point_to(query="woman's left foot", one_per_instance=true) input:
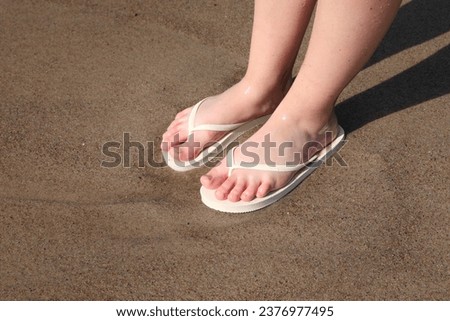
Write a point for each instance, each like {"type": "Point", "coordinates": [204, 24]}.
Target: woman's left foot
{"type": "Point", "coordinates": [283, 140]}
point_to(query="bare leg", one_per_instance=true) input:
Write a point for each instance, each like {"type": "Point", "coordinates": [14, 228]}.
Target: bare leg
{"type": "Point", "coordinates": [276, 37]}
{"type": "Point", "coordinates": [345, 35]}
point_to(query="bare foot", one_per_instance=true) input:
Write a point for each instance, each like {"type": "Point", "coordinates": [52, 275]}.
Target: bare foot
{"type": "Point", "coordinates": [240, 103]}
{"type": "Point", "coordinates": [283, 140]}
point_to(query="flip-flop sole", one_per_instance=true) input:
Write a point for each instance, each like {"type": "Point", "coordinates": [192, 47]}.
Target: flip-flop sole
{"type": "Point", "coordinates": [210, 200]}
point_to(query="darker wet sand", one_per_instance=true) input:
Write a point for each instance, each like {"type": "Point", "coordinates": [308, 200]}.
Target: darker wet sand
{"type": "Point", "coordinates": [77, 75]}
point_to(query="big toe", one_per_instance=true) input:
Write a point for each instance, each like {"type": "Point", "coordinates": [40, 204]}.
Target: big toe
{"type": "Point", "coordinates": [173, 137]}
{"type": "Point", "coordinates": [215, 177]}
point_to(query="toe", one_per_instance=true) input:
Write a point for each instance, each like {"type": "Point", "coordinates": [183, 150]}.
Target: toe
{"type": "Point", "coordinates": [187, 151]}
{"type": "Point", "coordinates": [250, 192]}
{"type": "Point", "coordinates": [184, 153]}
{"type": "Point", "coordinates": [224, 189]}
{"type": "Point", "coordinates": [175, 123]}
{"type": "Point", "coordinates": [215, 177]}
{"type": "Point", "coordinates": [264, 189]}
{"type": "Point", "coordinates": [236, 192]}
{"type": "Point", "coordinates": [177, 130]}
{"type": "Point", "coordinates": [172, 137]}
{"type": "Point", "coordinates": [183, 113]}
{"type": "Point", "coordinates": [206, 180]}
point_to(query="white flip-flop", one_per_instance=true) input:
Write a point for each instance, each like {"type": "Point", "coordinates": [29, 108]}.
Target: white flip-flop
{"type": "Point", "coordinates": [234, 131]}
{"type": "Point", "coordinates": [303, 171]}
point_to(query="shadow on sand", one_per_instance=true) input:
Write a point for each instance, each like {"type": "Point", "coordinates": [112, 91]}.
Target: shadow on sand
{"type": "Point", "coordinates": [416, 22]}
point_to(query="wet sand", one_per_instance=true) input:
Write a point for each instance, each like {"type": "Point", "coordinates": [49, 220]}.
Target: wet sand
{"type": "Point", "coordinates": [78, 74]}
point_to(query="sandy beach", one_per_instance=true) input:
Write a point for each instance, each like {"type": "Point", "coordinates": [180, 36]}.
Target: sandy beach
{"type": "Point", "coordinates": [78, 74]}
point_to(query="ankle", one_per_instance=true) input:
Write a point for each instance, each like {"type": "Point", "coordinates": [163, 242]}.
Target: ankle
{"type": "Point", "coordinates": [266, 94]}
{"type": "Point", "coordinates": [269, 83]}
{"type": "Point", "coordinates": [312, 123]}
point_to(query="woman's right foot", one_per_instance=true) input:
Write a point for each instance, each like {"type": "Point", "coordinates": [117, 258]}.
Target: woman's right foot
{"type": "Point", "coordinates": [240, 103]}
{"type": "Point", "coordinates": [284, 140]}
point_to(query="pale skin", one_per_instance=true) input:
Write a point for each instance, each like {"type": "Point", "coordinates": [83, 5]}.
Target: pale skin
{"type": "Point", "coordinates": [345, 34]}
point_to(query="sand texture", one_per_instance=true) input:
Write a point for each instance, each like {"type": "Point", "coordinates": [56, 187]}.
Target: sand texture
{"type": "Point", "coordinates": [77, 74]}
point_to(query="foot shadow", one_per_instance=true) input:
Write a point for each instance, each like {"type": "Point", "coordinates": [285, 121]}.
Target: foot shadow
{"type": "Point", "coordinates": [427, 80]}
{"type": "Point", "coordinates": [417, 22]}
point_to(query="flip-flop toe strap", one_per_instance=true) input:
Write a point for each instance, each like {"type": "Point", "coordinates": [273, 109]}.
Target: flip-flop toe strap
{"type": "Point", "coordinates": [231, 164]}
{"type": "Point", "coordinates": [211, 127]}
